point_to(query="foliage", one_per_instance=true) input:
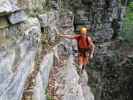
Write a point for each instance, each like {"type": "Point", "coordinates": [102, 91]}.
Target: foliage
{"type": "Point", "coordinates": [49, 97]}
{"type": "Point", "coordinates": [130, 6]}
{"type": "Point", "coordinates": [127, 30]}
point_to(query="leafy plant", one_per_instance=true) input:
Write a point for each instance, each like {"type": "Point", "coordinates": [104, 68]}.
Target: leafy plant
{"type": "Point", "coordinates": [127, 29]}
{"type": "Point", "coordinates": [49, 97]}
{"type": "Point", "coordinates": [130, 6]}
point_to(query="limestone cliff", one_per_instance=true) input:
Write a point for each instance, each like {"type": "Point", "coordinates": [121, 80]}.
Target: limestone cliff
{"type": "Point", "coordinates": [35, 64]}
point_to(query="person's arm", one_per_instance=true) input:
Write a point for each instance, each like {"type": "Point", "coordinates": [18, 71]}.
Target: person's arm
{"type": "Point", "coordinates": [70, 36]}
{"type": "Point", "coordinates": [92, 48]}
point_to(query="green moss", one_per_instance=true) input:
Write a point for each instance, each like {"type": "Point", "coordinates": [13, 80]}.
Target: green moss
{"type": "Point", "coordinates": [127, 29]}
{"type": "Point", "coordinates": [49, 98]}
{"type": "Point", "coordinates": [131, 5]}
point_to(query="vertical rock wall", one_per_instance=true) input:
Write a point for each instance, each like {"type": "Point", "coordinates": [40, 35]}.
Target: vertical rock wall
{"type": "Point", "coordinates": [102, 16]}
{"type": "Point", "coordinates": [30, 19]}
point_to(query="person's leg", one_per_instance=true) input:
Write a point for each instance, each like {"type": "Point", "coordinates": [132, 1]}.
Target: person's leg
{"type": "Point", "coordinates": [85, 60]}
{"type": "Point", "coordinates": [81, 66]}
{"type": "Point", "coordinates": [81, 63]}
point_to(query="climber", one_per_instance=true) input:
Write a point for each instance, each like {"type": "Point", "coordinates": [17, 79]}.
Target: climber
{"type": "Point", "coordinates": [85, 47]}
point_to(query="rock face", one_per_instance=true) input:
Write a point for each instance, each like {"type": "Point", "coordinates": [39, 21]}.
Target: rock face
{"type": "Point", "coordinates": [97, 15]}
{"type": "Point", "coordinates": [69, 86]}
{"type": "Point", "coordinates": [17, 17]}
{"type": "Point", "coordinates": [64, 82]}
{"type": "Point", "coordinates": [7, 6]}
{"type": "Point", "coordinates": [56, 23]}
{"type": "Point", "coordinates": [49, 21]}
{"type": "Point", "coordinates": [19, 34]}
{"type": "Point", "coordinates": [32, 30]}
{"type": "Point", "coordinates": [3, 22]}
{"type": "Point", "coordinates": [16, 27]}
{"type": "Point", "coordinates": [111, 72]}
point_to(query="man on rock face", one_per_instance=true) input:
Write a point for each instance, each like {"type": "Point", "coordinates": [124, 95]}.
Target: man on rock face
{"type": "Point", "coordinates": [85, 47]}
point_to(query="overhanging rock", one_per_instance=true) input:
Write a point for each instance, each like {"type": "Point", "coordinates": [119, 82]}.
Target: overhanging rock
{"type": "Point", "coordinates": [7, 6]}
{"type": "Point", "coordinates": [3, 22]}
{"type": "Point", "coordinates": [17, 17]}
{"type": "Point", "coordinates": [43, 18]}
{"type": "Point", "coordinates": [32, 30]}
{"type": "Point", "coordinates": [49, 18]}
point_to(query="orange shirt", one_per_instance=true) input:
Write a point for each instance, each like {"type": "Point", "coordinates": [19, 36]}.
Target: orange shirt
{"type": "Point", "coordinates": [84, 42]}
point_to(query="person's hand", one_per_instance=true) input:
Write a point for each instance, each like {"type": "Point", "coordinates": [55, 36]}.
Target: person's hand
{"type": "Point", "coordinates": [61, 34]}
{"type": "Point", "coordinates": [91, 56]}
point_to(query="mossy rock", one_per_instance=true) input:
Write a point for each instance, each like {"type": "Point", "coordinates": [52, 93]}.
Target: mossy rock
{"type": "Point", "coordinates": [3, 22]}
{"type": "Point", "coordinates": [4, 13]}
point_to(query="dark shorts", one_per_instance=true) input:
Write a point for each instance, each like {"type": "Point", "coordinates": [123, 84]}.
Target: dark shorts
{"type": "Point", "coordinates": [84, 52]}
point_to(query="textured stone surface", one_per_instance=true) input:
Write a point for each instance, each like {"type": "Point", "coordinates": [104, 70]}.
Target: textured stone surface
{"type": "Point", "coordinates": [32, 30]}
{"type": "Point", "coordinates": [104, 35]}
{"type": "Point", "coordinates": [43, 19]}
{"type": "Point", "coordinates": [53, 17]}
{"type": "Point", "coordinates": [73, 88]}
{"type": "Point", "coordinates": [34, 7]}
{"type": "Point", "coordinates": [111, 81]}
{"type": "Point", "coordinates": [49, 18]}
{"type": "Point", "coordinates": [66, 22]}
{"type": "Point", "coordinates": [65, 83]}
{"type": "Point", "coordinates": [95, 15]}
{"type": "Point", "coordinates": [55, 5]}
{"type": "Point", "coordinates": [56, 23]}
{"type": "Point", "coordinates": [7, 6]}
{"type": "Point", "coordinates": [52, 32]}
{"type": "Point", "coordinates": [113, 69]}
{"type": "Point", "coordinates": [17, 17]}
{"type": "Point", "coordinates": [3, 22]}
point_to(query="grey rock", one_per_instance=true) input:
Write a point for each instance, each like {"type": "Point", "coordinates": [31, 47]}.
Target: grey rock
{"type": "Point", "coordinates": [52, 32]}
{"type": "Point", "coordinates": [53, 17]}
{"type": "Point", "coordinates": [87, 1]}
{"type": "Point", "coordinates": [54, 4]}
{"type": "Point", "coordinates": [32, 30]}
{"type": "Point", "coordinates": [66, 22]}
{"type": "Point", "coordinates": [82, 22]}
{"type": "Point", "coordinates": [70, 88]}
{"type": "Point", "coordinates": [31, 22]}
{"type": "Point", "coordinates": [43, 18]}
{"type": "Point", "coordinates": [104, 35]}
{"type": "Point", "coordinates": [49, 18]}
{"type": "Point", "coordinates": [88, 95]}
{"type": "Point", "coordinates": [7, 6]}
{"type": "Point", "coordinates": [98, 13]}
{"type": "Point", "coordinates": [14, 4]}
{"type": "Point", "coordinates": [42, 78]}
{"type": "Point", "coordinates": [17, 17]}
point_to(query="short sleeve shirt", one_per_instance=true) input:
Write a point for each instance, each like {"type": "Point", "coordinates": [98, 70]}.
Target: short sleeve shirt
{"type": "Point", "coordinates": [83, 42]}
